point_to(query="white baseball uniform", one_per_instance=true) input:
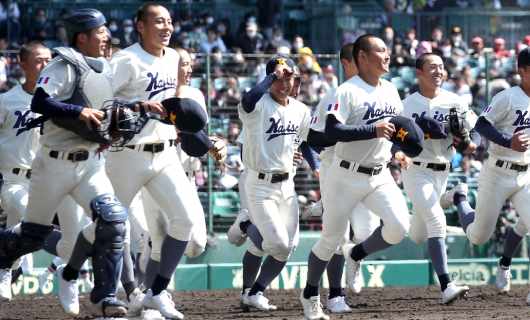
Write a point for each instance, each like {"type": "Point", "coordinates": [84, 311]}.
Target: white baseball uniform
{"type": "Point", "coordinates": [363, 222]}
{"type": "Point", "coordinates": [54, 176]}
{"type": "Point", "coordinates": [271, 137]}
{"type": "Point", "coordinates": [426, 179]}
{"type": "Point", "coordinates": [505, 174]}
{"type": "Point", "coordinates": [149, 161]}
{"type": "Point", "coordinates": [358, 103]}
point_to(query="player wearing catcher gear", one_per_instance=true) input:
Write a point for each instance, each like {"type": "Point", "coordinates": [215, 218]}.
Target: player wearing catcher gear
{"type": "Point", "coordinates": [273, 124]}
{"type": "Point", "coordinates": [148, 71]}
{"type": "Point", "coordinates": [359, 121]}
{"type": "Point", "coordinates": [425, 177]}
{"type": "Point", "coordinates": [74, 85]}
{"type": "Point", "coordinates": [361, 219]}
{"type": "Point", "coordinates": [505, 174]}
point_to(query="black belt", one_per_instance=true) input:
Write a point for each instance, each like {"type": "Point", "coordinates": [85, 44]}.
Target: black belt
{"type": "Point", "coordinates": [151, 147]}
{"type": "Point", "coordinates": [76, 156]}
{"type": "Point", "coordinates": [275, 177]}
{"type": "Point", "coordinates": [18, 170]}
{"type": "Point", "coordinates": [434, 166]}
{"type": "Point", "coordinates": [513, 166]}
{"type": "Point", "coordinates": [366, 170]}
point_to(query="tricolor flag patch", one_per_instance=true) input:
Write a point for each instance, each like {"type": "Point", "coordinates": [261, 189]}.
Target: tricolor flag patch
{"type": "Point", "coordinates": [333, 107]}
{"type": "Point", "coordinates": [43, 80]}
{"type": "Point", "coordinates": [313, 120]}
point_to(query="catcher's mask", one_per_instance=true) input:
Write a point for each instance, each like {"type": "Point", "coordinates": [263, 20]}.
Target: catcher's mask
{"type": "Point", "coordinates": [121, 123]}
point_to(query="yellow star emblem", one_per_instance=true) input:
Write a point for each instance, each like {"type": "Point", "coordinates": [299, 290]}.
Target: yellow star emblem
{"type": "Point", "coordinates": [173, 118]}
{"type": "Point", "coordinates": [281, 61]}
{"type": "Point", "coordinates": [401, 134]}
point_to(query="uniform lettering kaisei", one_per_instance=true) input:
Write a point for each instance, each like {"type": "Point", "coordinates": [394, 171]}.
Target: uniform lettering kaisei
{"type": "Point", "coordinates": [17, 151]}
{"type": "Point", "coordinates": [417, 106]}
{"type": "Point", "coordinates": [361, 104]}
{"type": "Point", "coordinates": [509, 113]}
{"type": "Point", "coordinates": [138, 75]}
{"type": "Point", "coordinates": [272, 132]}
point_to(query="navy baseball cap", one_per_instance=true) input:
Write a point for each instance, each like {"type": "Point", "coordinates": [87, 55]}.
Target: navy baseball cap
{"type": "Point", "coordinates": [279, 59]}
{"type": "Point", "coordinates": [184, 113]}
{"type": "Point", "coordinates": [432, 129]}
{"type": "Point", "coordinates": [523, 58]}
{"type": "Point", "coordinates": [408, 136]}
{"type": "Point", "coordinates": [82, 20]}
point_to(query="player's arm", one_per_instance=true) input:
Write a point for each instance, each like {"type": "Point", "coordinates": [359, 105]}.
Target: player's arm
{"type": "Point", "coordinates": [486, 129]}
{"type": "Point", "coordinates": [338, 131]}
{"type": "Point", "coordinates": [318, 140]}
{"type": "Point", "coordinates": [310, 156]}
{"type": "Point", "coordinates": [250, 98]}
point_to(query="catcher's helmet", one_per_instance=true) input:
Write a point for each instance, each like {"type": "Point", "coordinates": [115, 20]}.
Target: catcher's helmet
{"type": "Point", "coordinates": [82, 20]}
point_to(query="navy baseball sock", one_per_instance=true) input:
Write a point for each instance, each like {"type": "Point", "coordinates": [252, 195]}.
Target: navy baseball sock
{"type": "Point", "coordinates": [251, 264]}
{"type": "Point", "coordinates": [334, 270]}
{"type": "Point", "coordinates": [160, 284]}
{"type": "Point", "coordinates": [244, 226]}
{"type": "Point", "coordinates": [315, 269]}
{"type": "Point", "coordinates": [374, 243]}
{"type": "Point", "coordinates": [82, 249]}
{"type": "Point", "coordinates": [70, 273]}
{"type": "Point", "coordinates": [172, 251]}
{"type": "Point", "coordinates": [255, 236]}
{"type": "Point", "coordinates": [270, 269]}
{"type": "Point", "coordinates": [335, 292]}
{"type": "Point", "coordinates": [511, 243]}
{"type": "Point", "coordinates": [437, 251]}
{"type": "Point", "coordinates": [466, 214]}
{"type": "Point", "coordinates": [152, 269]}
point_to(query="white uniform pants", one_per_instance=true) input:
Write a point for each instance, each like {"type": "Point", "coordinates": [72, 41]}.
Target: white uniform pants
{"type": "Point", "coordinates": [495, 186]}
{"type": "Point", "coordinates": [161, 174]}
{"type": "Point", "coordinates": [54, 179]}
{"type": "Point", "coordinates": [424, 188]}
{"type": "Point", "coordinates": [344, 190]}
{"type": "Point", "coordinates": [273, 208]}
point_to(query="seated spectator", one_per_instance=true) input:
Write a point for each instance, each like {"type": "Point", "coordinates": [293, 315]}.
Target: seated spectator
{"type": "Point", "coordinates": [252, 41]}
{"type": "Point", "coordinates": [212, 40]}
{"type": "Point", "coordinates": [217, 63]}
{"type": "Point", "coordinates": [457, 42]}
{"type": "Point", "coordinates": [128, 36]}
{"type": "Point", "coordinates": [40, 27]}
{"type": "Point", "coordinates": [224, 32]}
{"type": "Point", "coordinates": [277, 39]}
{"type": "Point", "coordinates": [230, 95]}
{"type": "Point", "coordinates": [499, 49]}
{"type": "Point", "coordinates": [411, 42]}
{"type": "Point", "coordinates": [298, 43]}
{"type": "Point", "coordinates": [330, 79]}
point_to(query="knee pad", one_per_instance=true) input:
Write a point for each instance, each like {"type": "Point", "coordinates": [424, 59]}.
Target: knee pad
{"type": "Point", "coordinates": [110, 217]}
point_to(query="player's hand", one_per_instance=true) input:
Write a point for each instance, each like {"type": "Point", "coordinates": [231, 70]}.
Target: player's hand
{"type": "Point", "coordinates": [91, 117]}
{"type": "Point", "coordinates": [298, 158]}
{"type": "Point", "coordinates": [520, 141]}
{"type": "Point", "coordinates": [385, 130]}
{"type": "Point", "coordinates": [153, 107]}
{"type": "Point", "coordinates": [316, 173]}
{"type": "Point", "coordinates": [283, 71]}
{"type": "Point", "coordinates": [471, 148]}
{"type": "Point", "coordinates": [404, 161]}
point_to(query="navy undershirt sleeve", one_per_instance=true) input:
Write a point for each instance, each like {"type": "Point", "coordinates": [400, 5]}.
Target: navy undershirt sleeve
{"type": "Point", "coordinates": [44, 104]}
{"type": "Point", "coordinates": [319, 140]}
{"type": "Point", "coordinates": [346, 133]}
{"type": "Point", "coordinates": [486, 129]}
{"type": "Point", "coordinates": [310, 156]}
{"type": "Point", "coordinates": [250, 98]}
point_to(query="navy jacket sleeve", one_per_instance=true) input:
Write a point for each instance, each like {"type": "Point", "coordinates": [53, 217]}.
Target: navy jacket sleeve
{"type": "Point", "coordinates": [310, 156]}
{"type": "Point", "coordinates": [44, 104]}
{"type": "Point", "coordinates": [250, 98]}
{"type": "Point", "coordinates": [486, 129]}
{"type": "Point", "coordinates": [346, 133]}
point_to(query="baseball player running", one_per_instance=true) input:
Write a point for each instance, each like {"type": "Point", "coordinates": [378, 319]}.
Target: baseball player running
{"type": "Point", "coordinates": [359, 121]}
{"type": "Point", "coordinates": [148, 71]}
{"type": "Point", "coordinates": [274, 123]}
{"type": "Point", "coordinates": [17, 149]}
{"type": "Point", "coordinates": [505, 174]}
{"type": "Point", "coordinates": [362, 220]}
{"type": "Point", "coordinates": [425, 178]}
{"type": "Point", "coordinates": [71, 86]}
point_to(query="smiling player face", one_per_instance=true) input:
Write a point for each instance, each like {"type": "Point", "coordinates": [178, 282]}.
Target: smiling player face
{"type": "Point", "coordinates": [156, 28]}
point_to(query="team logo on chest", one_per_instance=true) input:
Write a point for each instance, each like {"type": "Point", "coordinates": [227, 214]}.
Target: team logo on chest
{"type": "Point", "coordinates": [278, 128]}
{"type": "Point", "coordinates": [375, 113]}
{"type": "Point", "coordinates": [438, 116]}
{"type": "Point", "coordinates": [23, 119]}
{"type": "Point", "coordinates": [159, 83]}
{"type": "Point", "coordinates": [522, 121]}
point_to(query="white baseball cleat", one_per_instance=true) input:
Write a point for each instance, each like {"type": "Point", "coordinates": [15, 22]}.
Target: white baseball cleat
{"type": "Point", "coordinates": [353, 268]}
{"type": "Point", "coordinates": [68, 293]}
{"type": "Point", "coordinates": [162, 302]}
{"type": "Point", "coordinates": [338, 305]}
{"type": "Point", "coordinates": [136, 300]}
{"type": "Point", "coordinates": [453, 292]}
{"type": "Point", "coordinates": [5, 285]}
{"type": "Point", "coordinates": [503, 278]}
{"type": "Point", "coordinates": [312, 308]}
{"type": "Point", "coordinates": [243, 300]}
{"type": "Point", "coordinates": [260, 302]}
{"type": "Point", "coordinates": [314, 210]}
{"type": "Point", "coordinates": [446, 200]}
{"type": "Point", "coordinates": [234, 234]}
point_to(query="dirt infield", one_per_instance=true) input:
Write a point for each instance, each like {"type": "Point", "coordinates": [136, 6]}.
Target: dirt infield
{"type": "Point", "coordinates": [388, 303]}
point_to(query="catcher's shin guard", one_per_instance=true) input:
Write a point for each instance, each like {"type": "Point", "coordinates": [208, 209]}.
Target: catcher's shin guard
{"type": "Point", "coordinates": [14, 244]}
{"type": "Point", "coordinates": [110, 217]}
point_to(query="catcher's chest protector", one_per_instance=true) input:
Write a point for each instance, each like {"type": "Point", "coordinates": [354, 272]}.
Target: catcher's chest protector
{"type": "Point", "coordinates": [93, 85]}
